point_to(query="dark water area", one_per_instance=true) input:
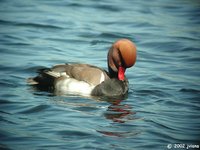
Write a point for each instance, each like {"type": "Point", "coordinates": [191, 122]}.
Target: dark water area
{"type": "Point", "coordinates": [163, 102]}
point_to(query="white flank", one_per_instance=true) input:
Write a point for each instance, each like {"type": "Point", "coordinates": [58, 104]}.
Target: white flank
{"type": "Point", "coordinates": [57, 74]}
{"type": "Point", "coordinates": [73, 86]}
{"type": "Point", "coordinates": [54, 74]}
{"type": "Point", "coordinates": [102, 77]}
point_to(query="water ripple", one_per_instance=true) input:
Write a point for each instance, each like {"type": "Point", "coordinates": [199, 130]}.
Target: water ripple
{"type": "Point", "coordinates": [35, 109]}
{"type": "Point", "coordinates": [32, 25]}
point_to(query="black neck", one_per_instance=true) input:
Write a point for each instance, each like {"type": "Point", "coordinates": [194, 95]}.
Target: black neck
{"type": "Point", "coordinates": [112, 73]}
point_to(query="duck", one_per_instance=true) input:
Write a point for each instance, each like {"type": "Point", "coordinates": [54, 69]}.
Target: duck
{"type": "Point", "coordinates": [90, 80]}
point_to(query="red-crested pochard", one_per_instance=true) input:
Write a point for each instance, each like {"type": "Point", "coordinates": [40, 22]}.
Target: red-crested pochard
{"type": "Point", "coordinates": [84, 79]}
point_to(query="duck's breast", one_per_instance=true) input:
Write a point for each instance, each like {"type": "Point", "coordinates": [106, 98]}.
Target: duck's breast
{"type": "Point", "coordinates": [111, 88]}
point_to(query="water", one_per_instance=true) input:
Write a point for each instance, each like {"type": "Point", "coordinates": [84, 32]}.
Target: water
{"type": "Point", "coordinates": [163, 103]}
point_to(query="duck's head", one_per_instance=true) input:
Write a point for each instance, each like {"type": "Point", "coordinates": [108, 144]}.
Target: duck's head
{"type": "Point", "coordinates": [122, 55]}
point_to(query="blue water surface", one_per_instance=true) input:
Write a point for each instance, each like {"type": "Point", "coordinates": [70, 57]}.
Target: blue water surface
{"type": "Point", "coordinates": [163, 103]}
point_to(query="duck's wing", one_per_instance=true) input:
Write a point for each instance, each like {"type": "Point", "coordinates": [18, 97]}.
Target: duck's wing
{"type": "Point", "coordinates": [81, 72]}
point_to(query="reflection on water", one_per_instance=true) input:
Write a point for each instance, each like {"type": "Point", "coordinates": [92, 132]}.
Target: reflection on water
{"type": "Point", "coordinates": [116, 112]}
{"type": "Point", "coordinates": [119, 113]}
